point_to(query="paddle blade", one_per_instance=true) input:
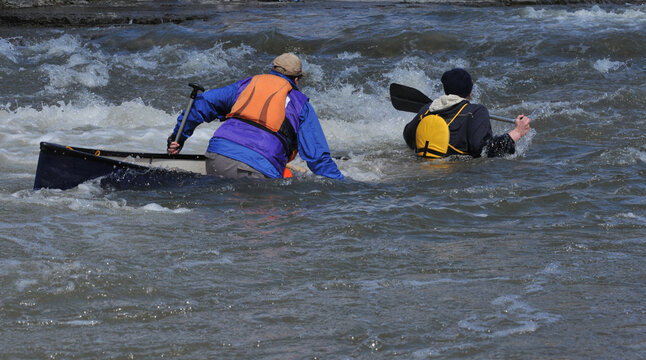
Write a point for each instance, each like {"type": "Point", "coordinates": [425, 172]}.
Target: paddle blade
{"type": "Point", "coordinates": [406, 98]}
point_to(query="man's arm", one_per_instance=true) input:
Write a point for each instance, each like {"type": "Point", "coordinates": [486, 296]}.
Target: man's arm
{"type": "Point", "coordinates": [506, 144]}
{"type": "Point", "coordinates": [208, 106]}
{"type": "Point", "coordinates": [500, 145]}
{"type": "Point", "coordinates": [479, 132]}
{"type": "Point", "coordinates": [410, 130]}
{"type": "Point", "coordinates": [313, 147]}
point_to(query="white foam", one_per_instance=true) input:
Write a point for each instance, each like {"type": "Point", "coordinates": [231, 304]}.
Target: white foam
{"type": "Point", "coordinates": [423, 75]}
{"type": "Point", "coordinates": [552, 269]}
{"type": "Point", "coordinates": [67, 61]}
{"type": "Point", "coordinates": [624, 219]}
{"type": "Point", "coordinates": [215, 60]}
{"type": "Point", "coordinates": [522, 146]}
{"type": "Point", "coordinates": [517, 317]}
{"type": "Point", "coordinates": [56, 276]}
{"type": "Point", "coordinates": [88, 71]}
{"type": "Point", "coordinates": [376, 284]}
{"type": "Point", "coordinates": [86, 198]}
{"type": "Point", "coordinates": [7, 50]}
{"type": "Point", "coordinates": [92, 124]}
{"type": "Point", "coordinates": [589, 17]}
{"type": "Point", "coordinates": [376, 126]}
{"type": "Point", "coordinates": [146, 60]}
{"type": "Point", "coordinates": [606, 65]}
{"type": "Point", "coordinates": [159, 208]}
{"type": "Point", "coordinates": [58, 59]}
{"type": "Point", "coordinates": [624, 156]}
{"type": "Point", "coordinates": [499, 84]}
{"type": "Point", "coordinates": [348, 55]}
{"type": "Point", "coordinates": [62, 76]}
{"type": "Point", "coordinates": [80, 322]}
{"type": "Point", "coordinates": [23, 284]}
{"type": "Point", "coordinates": [538, 111]}
{"type": "Point", "coordinates": [64, 45]}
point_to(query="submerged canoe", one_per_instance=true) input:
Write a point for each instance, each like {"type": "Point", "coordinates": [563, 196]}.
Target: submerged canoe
{"type": "Point", "coordinates": [64, 167]}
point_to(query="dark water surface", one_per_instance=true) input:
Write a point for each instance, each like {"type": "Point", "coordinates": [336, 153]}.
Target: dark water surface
{"type": "Point", "coordinates": [540, 255]}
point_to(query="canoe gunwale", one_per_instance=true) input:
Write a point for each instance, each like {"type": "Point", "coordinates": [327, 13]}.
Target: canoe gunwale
{"type": "Point", "coordinates": [64, 167]}
{"type": "Point", "coordinates": [83, 152]}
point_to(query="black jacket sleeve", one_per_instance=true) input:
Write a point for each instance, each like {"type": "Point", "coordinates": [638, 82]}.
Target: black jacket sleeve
{"type": "Point", "coordinates": [479, 132]}
{"type": "Point", "coordinates": [481, 137]}
{"type": "Point", "coordinates": [410, 130]}
{"type": "Point", "coordinates": [501, 145]}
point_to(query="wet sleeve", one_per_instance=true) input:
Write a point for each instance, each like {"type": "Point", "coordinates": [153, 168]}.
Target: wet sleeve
{"type": "Point", "coordinates": [410, 130]}
{"type": "Point", "coordinates": [482, 137]}
{"type": "Point", "coordinates": [208, 106]}
{"type": "Point", "coordinates": [501, 145]}
{"type": "Point", "coordinates": [479, 132]}
{"type": "Point", "coordinates": [313, 147]}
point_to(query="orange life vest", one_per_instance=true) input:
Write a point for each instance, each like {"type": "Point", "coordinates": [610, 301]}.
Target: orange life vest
{"type": "Point", "coordinates": [262, 103]}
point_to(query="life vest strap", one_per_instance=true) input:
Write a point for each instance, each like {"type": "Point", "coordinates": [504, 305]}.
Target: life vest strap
{"type": "Point", "coordinates": [426, 152]}
{"type": "Point", "coordinates": [458, 113]}
{"type": "Point", "coordinates": [457, 151]}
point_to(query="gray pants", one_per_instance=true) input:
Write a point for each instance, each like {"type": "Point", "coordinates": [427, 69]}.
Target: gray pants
{"type": "Point", "coordinates": [225, 167]}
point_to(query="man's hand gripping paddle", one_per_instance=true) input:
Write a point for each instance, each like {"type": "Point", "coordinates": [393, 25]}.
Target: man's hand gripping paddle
{"type": "Point", "coordinates": [193, 95]}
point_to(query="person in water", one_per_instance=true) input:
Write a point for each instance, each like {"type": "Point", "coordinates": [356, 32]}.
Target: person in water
{"type": "Point", "coordinates": [267, 121]}
{"type": "Point", "coordinates": [469, 127]}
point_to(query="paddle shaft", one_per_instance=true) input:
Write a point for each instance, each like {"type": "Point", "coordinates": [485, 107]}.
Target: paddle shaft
{"type": "Point", "coordinates": [406, 98]}
{"type": "Point", "coordinates": [192, 97]}
{"type": "Point", "coordinates": [503, 119]}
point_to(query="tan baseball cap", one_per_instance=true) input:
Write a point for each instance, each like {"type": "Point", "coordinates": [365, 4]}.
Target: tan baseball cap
{"type": "Point", "coordinates": [288, 64]}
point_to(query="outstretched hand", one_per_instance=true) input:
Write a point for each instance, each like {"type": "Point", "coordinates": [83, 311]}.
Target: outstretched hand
{"type": "Point", "coordinates": [522, 127]}
{"type": "Point", "coordinates": [173, 148]}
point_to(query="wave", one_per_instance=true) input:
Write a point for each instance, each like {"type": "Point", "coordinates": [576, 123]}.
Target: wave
{"type": "Point", "coordinates": [628, 15]}
{"type": "Point", "coordinates": [58, 13]}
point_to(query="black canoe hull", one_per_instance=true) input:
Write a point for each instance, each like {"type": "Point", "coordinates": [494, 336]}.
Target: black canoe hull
{"type": "Point", "coordinates": [64, 167]}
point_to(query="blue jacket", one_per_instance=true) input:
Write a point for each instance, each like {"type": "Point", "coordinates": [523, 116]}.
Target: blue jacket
{"type": "Point", "coordinates": [217, 103]}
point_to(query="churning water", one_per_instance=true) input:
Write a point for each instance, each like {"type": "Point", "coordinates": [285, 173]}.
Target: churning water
{"type": "Point", "coordinates": [537, 255]}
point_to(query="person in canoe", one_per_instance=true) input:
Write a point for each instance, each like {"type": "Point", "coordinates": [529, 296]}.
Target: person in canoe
{"type": "Point", "coordinates": [451, 125]}
{"type": "Point", "coordinates": [267, 121]}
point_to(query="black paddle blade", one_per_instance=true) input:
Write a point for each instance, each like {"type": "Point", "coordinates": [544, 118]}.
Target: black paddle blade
{"type": "Point", "coordinates": [406, 98]}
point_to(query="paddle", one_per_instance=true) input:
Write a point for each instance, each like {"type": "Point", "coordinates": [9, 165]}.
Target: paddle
{"type": "Point", "coordinates": [406, 98]}
{"type": "Point", "coordinates": [196, 88]}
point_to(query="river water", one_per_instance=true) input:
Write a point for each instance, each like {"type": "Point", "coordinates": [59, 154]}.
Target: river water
{"type": "Point", "coordinates": [535, 256]}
